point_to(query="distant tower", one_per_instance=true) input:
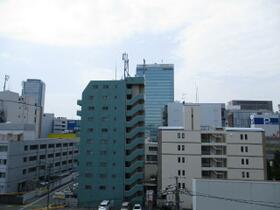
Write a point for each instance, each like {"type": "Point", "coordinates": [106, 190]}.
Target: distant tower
{"type": "Point", "coordinates": [35, 88]}
{"type": "Point", "coordinates": [126, 65]}
{"type": "Point", "coordinates": [7, 77]}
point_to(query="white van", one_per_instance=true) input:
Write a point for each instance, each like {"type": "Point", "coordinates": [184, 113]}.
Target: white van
{"type": "Point", "coordinates": [105, 205]}
{"type": "Point", "coordinates": [125, 206]}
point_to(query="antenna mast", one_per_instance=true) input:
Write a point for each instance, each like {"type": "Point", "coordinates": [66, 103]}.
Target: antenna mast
{"type": "Point", "coordinates": [7, 77]}
{"type": "Point", "coordinates": [126, 65]}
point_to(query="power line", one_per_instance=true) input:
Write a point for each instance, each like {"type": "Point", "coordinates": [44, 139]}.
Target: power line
{"type": "Point", "coordinates": [251, 202]}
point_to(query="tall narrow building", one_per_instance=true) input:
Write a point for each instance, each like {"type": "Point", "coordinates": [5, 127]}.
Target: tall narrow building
{"type": "Point", "coordinates": [159, 91]}
{"type": "Point", "coordinates": [111, 161]}
{"type": "Point", "coordinates": [35, 88]}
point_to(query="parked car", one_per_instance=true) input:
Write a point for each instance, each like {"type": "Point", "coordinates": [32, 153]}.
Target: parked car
{"type": "Point", "coordinates": [125, 206]}
{"type": "Point", "coordinates": [137, 207]}
{"type": "Point", "coordinates": [105, 205]}
{"type": "Point", "coordinates": [58, 195]}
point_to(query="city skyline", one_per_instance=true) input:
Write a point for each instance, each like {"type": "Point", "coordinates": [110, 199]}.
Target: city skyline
{"type": "Point", "coordinates": [229, 50]}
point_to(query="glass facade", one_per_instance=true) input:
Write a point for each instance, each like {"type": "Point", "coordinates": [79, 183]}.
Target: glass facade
{"type": "Point", "coordinates": [35, 88]}
{"type": "Point", "coordinates": [159, 90]}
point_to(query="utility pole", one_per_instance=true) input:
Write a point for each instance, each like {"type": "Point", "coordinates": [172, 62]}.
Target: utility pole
{"type": "Point", "coordinates": [7, 77]}
{"type": "Point", "coordinates": [48, 186]}
{"type": "Point", "coordinates": [177, 194]}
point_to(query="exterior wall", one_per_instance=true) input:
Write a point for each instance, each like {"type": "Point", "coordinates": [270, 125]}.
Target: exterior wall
{"type": "Point", "coordinates": [242, 195]}
{"type": "Point", "coordinates": [111, 161]}
{"type": "Point", "coordinates": [16, 109]}
{"type": "Point", "coordinates": [252, 105]}
{"type": "Point", "coordinates": [268, 121]}
{"type": "Point", "coordinates": [27, 161]}
{"type": "Point", "coordinates": [47, 124]}
{"type": "Point", "coordinates": [212, 115]}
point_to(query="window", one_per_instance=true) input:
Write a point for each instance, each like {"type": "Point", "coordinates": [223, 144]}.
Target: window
{"type": "Point", "coordinates": [88, 152]}
{"type": "Point", "coordinates": [24, 159]}
{"type": "Point", "coordinates": [104, 130]}
{"type": "Point", "coordinates": [183, 185]}
{"type": "Point", "coordinates": [64, 153]}
{"type": "Point", "coordinates": [179, 147]}
{"type": "Point", "coordinates": [32, 158]}
{"type": "Point", "coordinates": [42, 157]}
{"type": "Point", "coordinates": [105, 108]}
{"type": "Point", "coordinates": [247, 161]}
{"type": "Point", "coordinates": [51, 146]}
{"type": "Point", "coordinates": [43, 146]}
{"type": "Point", "coordinates": [242, 161]}
{"type": "Point", "coordinates": [246, 137]}
{"type": "Point", "coordinates": [153, 149]}
{"type": "Point", "coordinates": [179, 173]}
{"type": "Point", "coordinates": [65, 145]}
{"type": "Point", "coordinates": [183, 172]}
{"type": "Point", "coordinates": [90, 98]}
{"type": "Point", "coordinates": [105, 86]}
{"type": "Point", "coordinates": [242, 149]}
{"type": "Point", "coordinates": [33, 147]}
{"type": "Point", "coordinates": [94, 86]}
{"type": "Point", "coordinates": [179, 160]}
{"type": "Point", "coordinates": [25, 148]}
{"type": "Point", "coordinates": [241, 136]}
{"type": "Point", "coordinates": [58, 145]}
{"type": "Point", "coordinates": [88, 187]}
{"type": "Point", "coordinates": [90, 130]}
{"type": "Point", "coordinates": [32, 169]}
{"type": "Point", "coordinates": [102, 187]}
{"type": "Point", "coordinates": [57, 164]}
{"type": "Point", "coordinates": [105, 97]}
{"type": "Point", "coordinates": [243, 174]}
{"type": "Point", "coordinates": [103, 152]}
{"type": "Point", "coordinates": [151, 157]}
{"type": "Point", "coordinates": [58, 154]}
{"type": "Point", "coordinates": [183, 136]}
{"type": "Point", "coordinates": [178, 135]}
{"type": "Point", "coordinates": [246, 149]}
{"type": "Point", "coordinates": [50, 155]}
{"type": "Point", "coordinates": [2, 175]}
{"type": "Point", "coordinates": [90, 108]}
{"type": "Point", "coordinates": [183, 147]}
{"type": "Point", "coordinates": [102, 176]}
{"type": "Point", "coordinates": [183, 159]}
{"type": "Point", "coordinates": [248, 175]}
{"type": "Point", "coordinates": [24, 171]}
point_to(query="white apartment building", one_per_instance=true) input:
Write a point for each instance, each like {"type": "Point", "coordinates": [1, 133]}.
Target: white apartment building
{"type": "Point", "coordinates": [189, 152]}
{"type": "Point", "coordinates": [24, 160]}
{"type": "Point", "coordinates": [59, 124]}
{"type": "Point", "coordinates": [19, 109]}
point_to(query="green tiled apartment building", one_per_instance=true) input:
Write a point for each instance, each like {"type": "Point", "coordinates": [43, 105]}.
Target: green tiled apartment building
{"type": "Point", "coordinates": [111, 160]}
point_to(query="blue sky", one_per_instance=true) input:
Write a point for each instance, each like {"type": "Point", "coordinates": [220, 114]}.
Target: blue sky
{"type": "Point", "coordinates": [229, 49]}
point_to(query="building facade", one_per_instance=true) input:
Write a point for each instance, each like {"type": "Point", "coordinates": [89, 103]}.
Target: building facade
{"type": "Point", "coordinates": [20, 109]}
{"type": "Point", "coordinates": [35, 88]}
{"type": "Point", "coordinates": [24, 160]}
{"type": "Point", "coordinates": [159, 90]}
{"type": "Point", "coordinates": [59, 124]}
{"type": "Point", "coordinates": [189, 152]}
{"type": "Point", "coordinates": [47, 124]}
{"type": "Point", "coordinates": [111, 162]}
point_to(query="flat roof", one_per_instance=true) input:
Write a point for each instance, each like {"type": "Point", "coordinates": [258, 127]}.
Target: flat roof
{"type": "Point", "coordinates": [170, 128]}
{"type": "Point", "coordinates": [244, 129]}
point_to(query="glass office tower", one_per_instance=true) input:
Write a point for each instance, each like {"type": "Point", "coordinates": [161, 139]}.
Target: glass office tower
{"type": "Point", "coordinates": [159, 90]}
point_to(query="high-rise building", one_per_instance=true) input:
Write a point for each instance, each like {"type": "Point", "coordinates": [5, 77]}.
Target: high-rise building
{"type": "Point", "coordinates": [35, 88]}
{"type": "Point", "coordinates": [111, 161]}
{"type": "Point", "coordinates": [159, 91]}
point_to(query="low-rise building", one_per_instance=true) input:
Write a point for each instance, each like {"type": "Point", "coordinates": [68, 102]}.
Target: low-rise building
{"type": "Point", "coordinates": [24, 160]}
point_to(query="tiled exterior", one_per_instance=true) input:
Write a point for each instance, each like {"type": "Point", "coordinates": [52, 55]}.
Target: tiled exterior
{"type": "Point", "coordinates": [111, 162]}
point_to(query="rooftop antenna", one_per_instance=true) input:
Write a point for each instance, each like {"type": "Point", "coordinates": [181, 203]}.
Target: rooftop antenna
{"type": "Point", "coordinates": [126, 65]}
{"type": "Point", "coordinates": [7, 77]}
{"type": "Point", "coordinates": [196, 94]}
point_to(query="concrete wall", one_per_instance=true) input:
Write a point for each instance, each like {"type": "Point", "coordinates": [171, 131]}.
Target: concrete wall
{"type": "Point", "coordinates": [47, 124]}
{"type": "Point", "coordinates": [235, 195]}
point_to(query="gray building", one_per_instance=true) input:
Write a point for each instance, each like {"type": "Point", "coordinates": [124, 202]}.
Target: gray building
{"type": "Point", "coordinates": [239, 111]}
{"type": "Point", "coordinates": [24, 160]}
{"type": "Point", "coordinates": [35, 88]}
{"type": "Point", "coordinates": [212, 115]}
{"type": "Point", "coordinates": [47, 124]}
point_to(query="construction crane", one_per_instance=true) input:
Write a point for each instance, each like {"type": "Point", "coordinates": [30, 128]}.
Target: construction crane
{"type": "Point", "coordinates": [7, 77]}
